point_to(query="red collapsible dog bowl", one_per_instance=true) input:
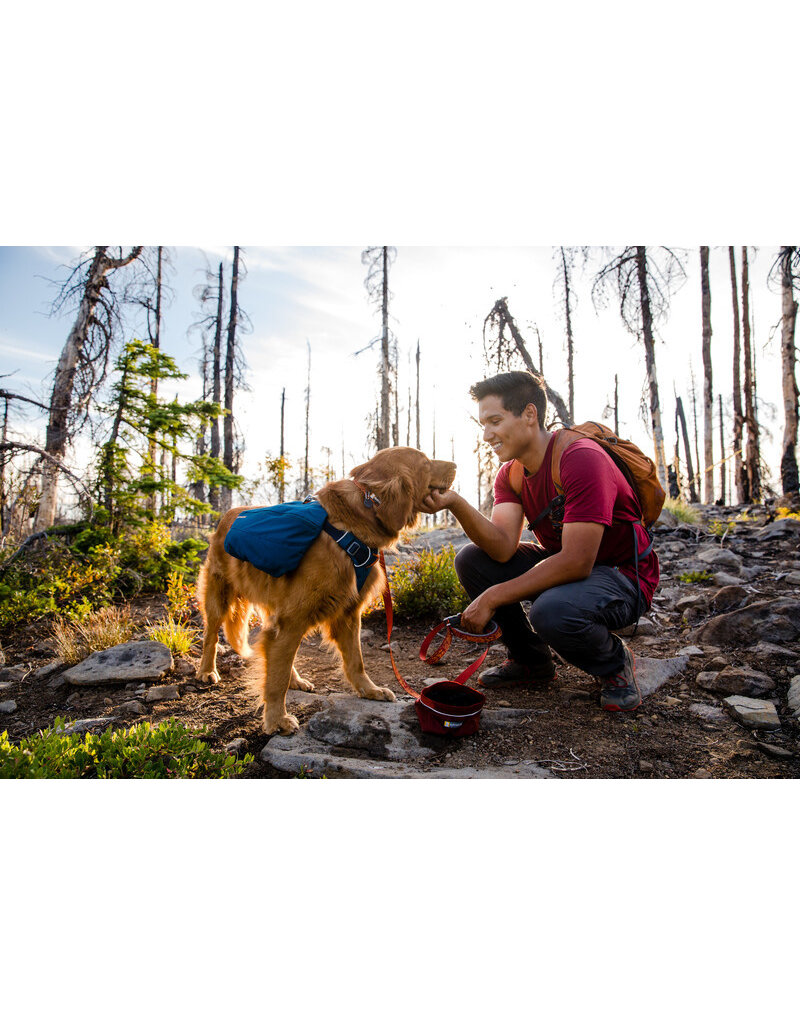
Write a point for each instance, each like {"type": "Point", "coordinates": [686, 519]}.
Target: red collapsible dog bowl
{"type": "Point", "coordinates": [449, 709]}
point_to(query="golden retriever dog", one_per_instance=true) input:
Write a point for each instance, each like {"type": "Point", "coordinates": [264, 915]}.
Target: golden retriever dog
{"type": "Point", "coordinates": [321, 591]}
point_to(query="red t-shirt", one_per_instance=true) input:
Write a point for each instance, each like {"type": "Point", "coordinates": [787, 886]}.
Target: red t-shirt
{"type": "Point", "coordinates": [595, 491]}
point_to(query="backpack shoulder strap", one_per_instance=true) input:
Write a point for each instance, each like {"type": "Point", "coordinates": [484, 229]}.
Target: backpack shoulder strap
{"type": "Point", "coordinates": [564, 438]}
{"type": "Point", "coordinates": [515, 477]}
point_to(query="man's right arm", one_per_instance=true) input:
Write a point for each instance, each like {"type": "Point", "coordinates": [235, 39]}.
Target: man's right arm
{"type": "Point", "coordinates": [499, 536]}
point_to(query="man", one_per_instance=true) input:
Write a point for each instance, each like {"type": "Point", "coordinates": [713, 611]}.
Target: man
{"type": "Point", "coordinates": [581, 576]}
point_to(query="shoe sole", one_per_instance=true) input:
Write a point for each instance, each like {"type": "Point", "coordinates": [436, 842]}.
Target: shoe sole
{"type": "Point", "coordinates": [616, 707]}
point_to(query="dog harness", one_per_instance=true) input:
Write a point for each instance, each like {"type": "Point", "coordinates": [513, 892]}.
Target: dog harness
{"type": "Point", "coordinates": [274, 539]}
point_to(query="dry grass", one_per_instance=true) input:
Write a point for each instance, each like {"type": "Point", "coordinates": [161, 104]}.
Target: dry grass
{"type": "Point", "coordinates": [172, 634]}
{"type": "Point", "coordinates": [97, 631]}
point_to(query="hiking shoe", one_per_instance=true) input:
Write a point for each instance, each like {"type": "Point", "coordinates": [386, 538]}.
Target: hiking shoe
{"type": "Point", "coordinates": [512, 673]}
{"type": "Point", "coordinates": [621, 692]}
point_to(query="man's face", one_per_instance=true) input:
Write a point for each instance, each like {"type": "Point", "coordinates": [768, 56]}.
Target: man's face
{"type": "Point", "coordinates": [508, 434]}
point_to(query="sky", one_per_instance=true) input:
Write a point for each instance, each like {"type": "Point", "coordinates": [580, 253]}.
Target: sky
{"type": "Point", "coordinates": [315, 296]}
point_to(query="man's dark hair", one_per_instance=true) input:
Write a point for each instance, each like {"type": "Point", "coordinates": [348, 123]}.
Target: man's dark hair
{"type": "Point", "coordinates": [515, 389]}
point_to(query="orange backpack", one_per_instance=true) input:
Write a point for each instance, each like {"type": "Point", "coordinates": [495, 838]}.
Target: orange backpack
{"type": "Point", "coordinates": [635, 466]}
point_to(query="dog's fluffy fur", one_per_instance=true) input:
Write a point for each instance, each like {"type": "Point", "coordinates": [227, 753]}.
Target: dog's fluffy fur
{"type": "Point", "coordinates": [322, 590]}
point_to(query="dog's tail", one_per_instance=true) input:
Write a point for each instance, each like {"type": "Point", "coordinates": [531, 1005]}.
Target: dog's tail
{"type": "Point", "coordinates": [236, 626]}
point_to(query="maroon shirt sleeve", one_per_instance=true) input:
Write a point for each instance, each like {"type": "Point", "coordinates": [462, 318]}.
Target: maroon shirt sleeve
{"type": "Point", "coordinates": [503, 492]}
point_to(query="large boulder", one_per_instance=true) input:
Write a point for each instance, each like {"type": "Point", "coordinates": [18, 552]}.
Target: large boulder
{"type": "Point", "coordinates": [144, 661]}
{"type": "Point", "coordinates": [774, 621]}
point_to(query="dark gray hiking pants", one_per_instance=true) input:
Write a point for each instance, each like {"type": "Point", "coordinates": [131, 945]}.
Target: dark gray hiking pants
{"type": "Point", "coordinates": [574, 618]}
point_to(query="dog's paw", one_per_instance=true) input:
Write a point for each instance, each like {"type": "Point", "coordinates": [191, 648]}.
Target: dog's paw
{"type": "Point", "coordinates": [286, 724]}
{"type": "Point", "coordinates": [208, 677]}
{"type": "Point", "coordinates": [380, 693]}
{"type": "Point", "coordinates": [299, 683]}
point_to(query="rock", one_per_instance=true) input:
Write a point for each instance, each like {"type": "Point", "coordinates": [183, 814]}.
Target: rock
{"type": "Point", "coordinates": [237, 746]}
{"type": "Point", "coordinates": [367, 633]}
{"type": "Point", "coordinates": [794, 696]}
{"type": "Point", "coordinates": [724, 579]}
{"type": "Point", "coordinates": [2, 656]}
{"type": "Point", "coordinates": [690, 601]}
{"type": "Point", "coordinates": [145, 660]}
{"type": "Point", "coordinates": [728, 598]}
{"type": "Point", "coordinates": [184, 667]}
{"type": "Point", "coordinates": [710, 712]}
{"type": "Point", "coordinates": [47, 670]}
{"type": "Point", "coordinates": [740, 679]}
{"type": "Point", "coordinates": [753, 713]}
{"type": "Point", "coordinates": [644, 627]}
{"type": "Point", "coordinates": [132, 707]}
{"type": "Point", "coordinates": [168, 692]}
{"type": "Point", "coordinates": [394, 647]}
{"type": "Point", "coordinates": [576, 695]}
{"type": "Point", "coordinates": [776, 621]}
{"type": "Point", "coordinates": [706, 679]}
{"type": "Point", "coordinates": [779, 753]}
{"type": "Point", "coordinates": [13, 673]}
{"type": "Point", "coordinates": [719, 557]}
{"type": "Point", "coordinates": [646, 766]}
{"type": "Point", "coordinates": [765, 650]}
{"type": "Point", "coordinates": [701, 773]}
{"type": "Point", "coordinates": [780, 529]}
{"type": "Point", "coordinates": [652, 673]}
{"type": "Point", "coordinates": [85, 725]}
{"type": "Point", "coordinates": [690, 652]}
{"type": "Point", "coordinates": [57, 683]}
{"type": "Point", "coordinates": [793, 578]}
{"type": "Point", "coordinates": [673, 702]}
{"type": "Point", "coordinates": [667, 519]}
{"type": "Point", "coordinates": [8, 707]}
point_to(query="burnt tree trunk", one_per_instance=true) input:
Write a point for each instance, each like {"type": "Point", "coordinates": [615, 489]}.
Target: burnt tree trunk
{"type": "Point", "coordinates": [282, 488]}
{"type": "Point", "coordinates": [384, 430]}
{"type": "Point", "coordinates": [650, 363]}
{"type": "Point", "coordinates": [687, 448]}
{"type": "Point", "coordinates": [61, 398]}
{"type": "Point", "coordinates": [723, 461]}
{"type": "Point", "coordinates": [789, 478]}
{"type": "Point", "coordinates": [155, 341]}
{"type": "Point", "coordinates": [570, 381]}
{"type": "Point", "coordinates": [417, 403]}
{"type": "Point", "coordinates": [306, 479]}
{"type": "Point", "coordinates": [230, 373]}
{"type": "Point", "coordinates": [708, 393]}
{"type": "Point", "coordinates": [751, 422]}
{"type": "Point", "coordinates": [739, 474]}
{"type": "Point", "coordinates": [213, 494]}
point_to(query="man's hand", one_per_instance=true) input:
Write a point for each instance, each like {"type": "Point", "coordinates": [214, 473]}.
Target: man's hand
{"type": "Point", "coordinates": [477, 615]}
{"type": "Point", "coordinates": [437, 501]}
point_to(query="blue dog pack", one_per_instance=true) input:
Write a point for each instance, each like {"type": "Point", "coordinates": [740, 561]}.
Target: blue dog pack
{"type": "Point", "coordinates": [274, 539]}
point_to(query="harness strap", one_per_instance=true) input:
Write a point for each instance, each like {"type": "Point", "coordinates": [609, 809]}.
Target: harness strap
{"type": "Point", "coordinates": [361, 555]}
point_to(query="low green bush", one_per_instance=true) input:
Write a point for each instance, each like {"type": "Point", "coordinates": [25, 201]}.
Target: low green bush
{"type": "Point", "coordinates": [696, 576]}
{"type": "Point", "coordinates": [683, 513]}
{"type": "Point", "coordinates": [428, 585]}
{"type": "Point", "coordinates": [169, 750]}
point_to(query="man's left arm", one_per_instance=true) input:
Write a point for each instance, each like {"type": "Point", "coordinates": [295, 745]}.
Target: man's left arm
{"type": "Point", "coordinates": [580, 543]}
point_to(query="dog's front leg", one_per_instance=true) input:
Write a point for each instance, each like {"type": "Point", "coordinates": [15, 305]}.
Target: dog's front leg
{"type": "Point", "coordinates": [279, 643]}
{"type": "Point", "coordinates": [346, 632]}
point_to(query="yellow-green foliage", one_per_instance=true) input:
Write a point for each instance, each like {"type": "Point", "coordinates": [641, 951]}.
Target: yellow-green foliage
{"type": "Point", "coordinates": [695, 576]}
{"type": "Point", "coordinates": [428, 585]}
{"type": "Point", "coordinates": [786, 513]}
{"type": "Point", "coordinates": [95, 631]}
{"type": "Point", "coordinates": [683, 513]}
{"type": "Point", "coordinates": [175, 635]}
{"type": "Point", "coordinates": [179, 596]}
{"type": "Point", "coordinates": [169, 750]}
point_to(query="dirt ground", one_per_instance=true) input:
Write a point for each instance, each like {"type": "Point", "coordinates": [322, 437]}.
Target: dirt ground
{"type": "Point", "coordinates": [565, 732]}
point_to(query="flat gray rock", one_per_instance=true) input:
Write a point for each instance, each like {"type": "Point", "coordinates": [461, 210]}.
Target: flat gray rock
{"type": "Point", "coordinates": [767, 650]}
{"type": "Point", "coordinates": [690, 652]}
{"type": "Point", "coordinates": [779, 529]}
{"type": "Point", "coordinates": [47, 670]}
{"type": "Point", "coordinates": [720, 558]}
{"type": "Point", "coordinates": [136, 661]}
{"type": "Point", "coordinates": [8, 707]}
{"type": "Point", "coordinates": [169, 692]}
{"type": "Point", "coordinates": [739, 679]}
{"type": "Point", "coordinates": [710, 712]}
{"type": "Point", "coordinates": [794, 696]}
{"type": "Point", "coordinates": [354, 738]}
{"type": "Point", "coordinates": [753, 713]}
{"type": "Point", "coordinates": [653, 673]}
{"type": "Point", "coordinates": [771, 621]}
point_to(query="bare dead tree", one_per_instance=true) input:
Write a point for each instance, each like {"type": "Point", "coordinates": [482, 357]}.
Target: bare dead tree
{"type": "Point", "coordinates": [723, 461]}
{"type": "Point", "coordinates": [643, 281]}
{"type": "Point", "coordinates": [417, 402]}
{"type": "Point", "coordinates": [787, 269]}
{"type": "Point", "coordinates": [708, 392]}
{"type": "Point", "coordinates": [681, 419]}
{"type": "Point", "coordinates": [752, 454]}
{"type": "Point", "coordinates": [82, 364]}
{"type": "Point", "coordinates": [504, 346]}
{"type": "Point", "coordinates": [306, 478]}
{"type": "Point", "coordinates": [739, 475]}
{"type": "Point", "coordinates": [238, 324]}
{"type": "Point", "coordinates": [566, 263]}
{"type": "Point", "coordinates": [378, 259]}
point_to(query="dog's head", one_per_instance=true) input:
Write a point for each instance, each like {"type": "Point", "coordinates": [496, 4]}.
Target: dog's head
{"type": "Point", "coordinates": [401, 478]}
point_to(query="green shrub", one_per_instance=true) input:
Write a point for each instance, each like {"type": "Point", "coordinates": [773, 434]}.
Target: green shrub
{"type": "Point", "coordinates": [167, 751]}
{"type": "Point", "coordinates": [428, 585]}
{"type": "Point", "coordinates": [696, 576]}
{"type": "Point", "coordinates": [178, 637]}
{"type": "Point", "coordinates": [683, 513]}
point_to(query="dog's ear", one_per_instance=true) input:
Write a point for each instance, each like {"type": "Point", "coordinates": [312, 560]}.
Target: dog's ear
{"type": "Point", "coordinates": [397, 504]}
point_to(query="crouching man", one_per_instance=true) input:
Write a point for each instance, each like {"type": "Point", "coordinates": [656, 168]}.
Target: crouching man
{"type": "Point", "coordinates": [584, 577]}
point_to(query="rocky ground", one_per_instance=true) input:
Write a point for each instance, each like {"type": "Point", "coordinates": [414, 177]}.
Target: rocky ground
{"type": "Point", "coordinates": [718, 659]}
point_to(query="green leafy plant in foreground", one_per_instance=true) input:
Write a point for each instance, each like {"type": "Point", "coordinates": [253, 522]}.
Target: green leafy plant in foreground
{"type": "Point", "coordinates": [169, 750]}
{"type": "Point", "coordinates": [428, 585]}
{"type": "Point", "coordinates": [178, 637]}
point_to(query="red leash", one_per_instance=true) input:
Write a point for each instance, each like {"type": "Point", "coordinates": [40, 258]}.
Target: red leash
{"type": "Point", "coordinates": [451, 628]}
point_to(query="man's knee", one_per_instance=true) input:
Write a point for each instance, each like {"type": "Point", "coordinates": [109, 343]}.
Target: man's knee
{"type": "Point", "coordinates": [467, 561]}
{"type": "Point", "coordinates": [551, 614]}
